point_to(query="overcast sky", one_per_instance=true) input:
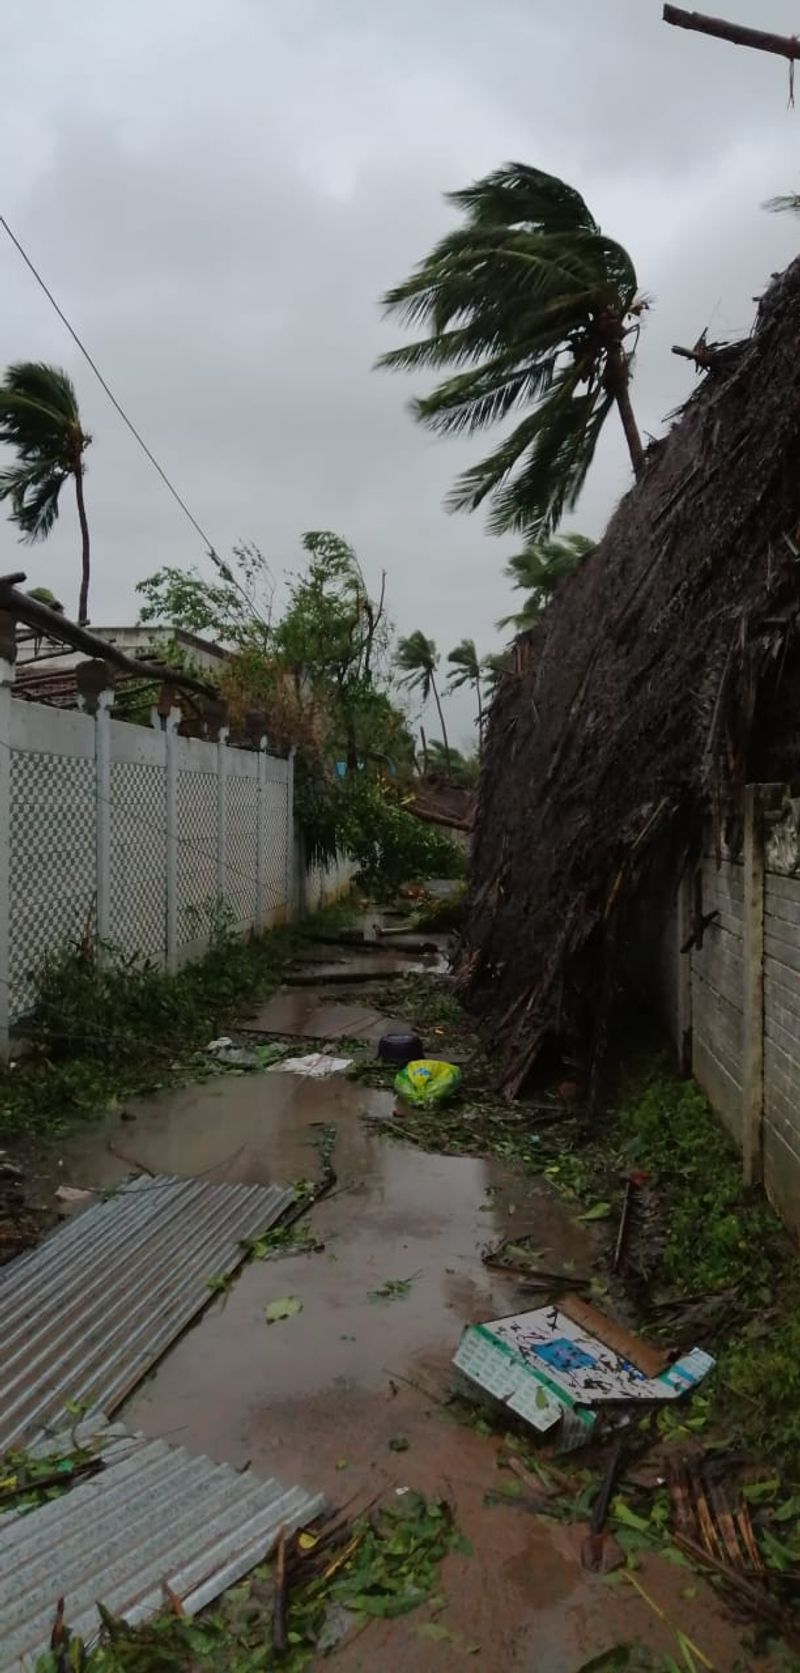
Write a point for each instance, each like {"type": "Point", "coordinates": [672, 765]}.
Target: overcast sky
{"type": "Point", "coordinates": [218, 191]}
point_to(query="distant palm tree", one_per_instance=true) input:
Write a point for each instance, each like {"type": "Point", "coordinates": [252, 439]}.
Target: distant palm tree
{"type": "Point", "coordinates": [418, 659]}
{"type": "Point", "coordinates": [463, 769]}
{"type": "Point", "coordinates": [466, 661]}
{"type": "Point", "coordinates": [39, 417]}
{"type": "Point", "coordinates": [542, 310]}
{"type": "Point", "coordinates": [539, 570]}
{"type": "Point", "coordinates": [494, 666]}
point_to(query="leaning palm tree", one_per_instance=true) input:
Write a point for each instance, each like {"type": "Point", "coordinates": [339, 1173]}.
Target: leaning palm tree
{"type": "Point", "coordinates": [532, 307]}
{"type": "Point", "coordinates": [39, 417]}
{"type": "Point", "coordinates": [464, 658]}
{"type": "Point", "coordinates": [495, 666]}
{"type": "Point", "coordinates": [538, 571]}
{"type": "Point", "coordinates": [418, 659]}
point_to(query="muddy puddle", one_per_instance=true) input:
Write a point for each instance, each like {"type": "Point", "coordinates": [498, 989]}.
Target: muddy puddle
{"type": "Point", "coordinates": [327, 1396]}
{"type": "Point", "coordinates": [349, 1396]}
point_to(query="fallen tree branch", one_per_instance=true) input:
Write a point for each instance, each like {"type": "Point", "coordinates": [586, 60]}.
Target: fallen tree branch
{"type": "Point", "coordinates": [37, 615]}
{"type": "Point", "coordinates": [760, 40]}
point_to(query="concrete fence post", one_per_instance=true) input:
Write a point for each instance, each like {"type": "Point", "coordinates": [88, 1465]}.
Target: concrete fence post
{"type": "Point", "coordinates": [289, 832]}
{"type": "Point", "coordinates": [222, 812]}
{"type": "Point", "coordinates": [171, 745]}
{"type": "Point", "coordinates": [753, 987]}
{"type": "Point", "coordinates": [261, 835]}
{"type": "Point", "coordinates": [102, 792]}
{"type": "Point", "coordinates": [7, 653]}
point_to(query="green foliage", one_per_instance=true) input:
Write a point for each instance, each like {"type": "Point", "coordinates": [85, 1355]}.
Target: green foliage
{"type": "Point", "coordinates": [529, 306]}
{"type": "Point", "coordinates": [320, 672]}
{"type": "Point", "coordinates": [105, 1029]}
{"type": "Point", "coordinates": [466, 662]}
{"type": "Point", "coordinates": [234, 609]}
{"type": "Point", "coordinates": [389, 844]}
{"type": "Point", "coordinates": [758, 1384]}
{"type": "Point", "coordinates": [444, 914]}
{"type": "Point", "coordinates": [364, 819]}
{"type": "Point", "coordinates": [538, 572]}
{"type": "Point", "coordinates": [495, 666]}
{"type": "Point", "coordinates": [27, 1481]}
{"type": "Point", "coordinates": [459, 768]}
{"type": "Point", "coordinates": [418, 659]}
{"type": "Point", "coordinates": [39, 417]}
{"type": "Point", "coordinates": [393, 1568]}
{"type": "Point", "coordinates": [718, 1235]}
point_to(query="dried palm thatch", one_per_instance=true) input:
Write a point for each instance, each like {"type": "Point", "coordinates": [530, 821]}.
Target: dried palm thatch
{"type": "Point", "coordinates": [661, 678]}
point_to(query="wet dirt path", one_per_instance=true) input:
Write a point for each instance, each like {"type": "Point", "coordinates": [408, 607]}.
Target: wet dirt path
{"type": "Point", "coordinates": [320, 1397]}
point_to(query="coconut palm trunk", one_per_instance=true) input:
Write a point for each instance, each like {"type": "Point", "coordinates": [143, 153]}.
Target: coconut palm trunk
{"type": "Point", "coordinates": [83, 601]}
{"type": "Point", "coordinates": [445, 740]}
{"type": "Point", "coordinates": [618, 383]}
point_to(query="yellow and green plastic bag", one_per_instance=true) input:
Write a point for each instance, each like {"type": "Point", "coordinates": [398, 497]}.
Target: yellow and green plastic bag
{"type": "Point", "coordinates": [426, 1081]}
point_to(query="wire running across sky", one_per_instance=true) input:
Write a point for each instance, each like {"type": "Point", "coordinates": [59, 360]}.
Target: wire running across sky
{"type": "Point", "coordinates": [223, 567]}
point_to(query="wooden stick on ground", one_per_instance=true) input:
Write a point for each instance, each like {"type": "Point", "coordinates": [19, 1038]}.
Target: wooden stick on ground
{"type": "Point", "coordinates": [280, 1610]}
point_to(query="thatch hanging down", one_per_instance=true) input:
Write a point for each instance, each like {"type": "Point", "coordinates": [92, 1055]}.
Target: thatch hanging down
{"type": "Point", "coordinates": [650, 692]}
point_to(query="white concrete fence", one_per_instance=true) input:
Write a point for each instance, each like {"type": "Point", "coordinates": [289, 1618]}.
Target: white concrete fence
{"type": "Point", "coordinates": [137, 839]}
{"type": "Point", "coordinates": [723, 955]}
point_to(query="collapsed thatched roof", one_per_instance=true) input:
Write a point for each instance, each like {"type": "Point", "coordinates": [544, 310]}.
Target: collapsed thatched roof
{"type": "Point", "coordinates": [643, 695]}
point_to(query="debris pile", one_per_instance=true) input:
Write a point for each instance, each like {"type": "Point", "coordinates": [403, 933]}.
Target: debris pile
{"type": "Point", "coordinates": [658, 681]}
{"type": "Point", "coordinates": [569, 1372]}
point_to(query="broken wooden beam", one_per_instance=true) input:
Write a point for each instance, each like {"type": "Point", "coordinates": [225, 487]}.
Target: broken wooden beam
{"type": "Point", "coordinates": [58, 627]}
{"type": "Point", "coordinates": [738, 34]}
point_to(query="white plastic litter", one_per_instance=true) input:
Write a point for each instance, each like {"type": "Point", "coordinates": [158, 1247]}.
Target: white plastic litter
{"type": "Point", "coordinates": [317, 1065]}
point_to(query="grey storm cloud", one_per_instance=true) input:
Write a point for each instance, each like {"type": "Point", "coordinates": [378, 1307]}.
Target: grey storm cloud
{"type": "Point", "coordinates": [220, 190]}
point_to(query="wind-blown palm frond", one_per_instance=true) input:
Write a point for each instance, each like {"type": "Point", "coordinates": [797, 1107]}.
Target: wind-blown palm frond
{"type": "Point", "coordinates": [417, 659]}
{"type": "Point", "coordinates": [530, 305]}
{"type": "Point", "coordinates": [778, 206]}
{"type": "Point", "coordinates": [39, 417]}
{"type": "Point", "coordinates": [538, 571]}
{"type": "Point", "coordinates": [494, 667]}
{"type": "Point", "coordinates": [464, 658]}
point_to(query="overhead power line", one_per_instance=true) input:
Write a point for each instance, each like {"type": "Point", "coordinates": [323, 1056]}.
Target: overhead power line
{"type": "Point", "coordinates": [121, 410]}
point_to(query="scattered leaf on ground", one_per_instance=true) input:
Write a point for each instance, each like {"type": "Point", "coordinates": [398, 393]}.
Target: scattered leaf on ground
{"type": "Point", "coordinates": [285, 1308]}
{"type": "Point", "coordinates": [394, 1289]}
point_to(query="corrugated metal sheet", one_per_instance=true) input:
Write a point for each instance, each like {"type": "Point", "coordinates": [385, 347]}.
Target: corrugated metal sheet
{"type": "Point", "coordinates": [84, 1316]}
{"type": "Point", "coordinates": [155, 1513]}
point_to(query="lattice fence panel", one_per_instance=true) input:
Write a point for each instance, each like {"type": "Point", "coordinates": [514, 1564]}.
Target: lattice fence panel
{"type": "Point", "coordinates": [197, 855]}
{"type": "Point", "coordinates": [275, 843]}
{"type": "Point", "coordinates": [138, 861]}
{"type": "Point", "coordinates": [52, 863]}
{"type": "Point", "coordinates": [241, 876]}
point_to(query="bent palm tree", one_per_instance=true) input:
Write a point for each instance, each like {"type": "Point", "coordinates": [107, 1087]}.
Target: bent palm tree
{"type": "Point", "coordinates": [465, 660]}
{"type": "Point", "coordinates": [539, 570]}
{"type": "Point", "coordinates": [495, 667]}
{"type": "Point", "coordinates": [542, 310]}
{"type": "Point", "coordinates": [418, 659]}
{"type": "Point", "coordinates": [39, 417]}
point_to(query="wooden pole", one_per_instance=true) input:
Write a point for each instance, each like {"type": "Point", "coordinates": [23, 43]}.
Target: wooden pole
{"type": "Point", "coordinates": [760, 40]}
